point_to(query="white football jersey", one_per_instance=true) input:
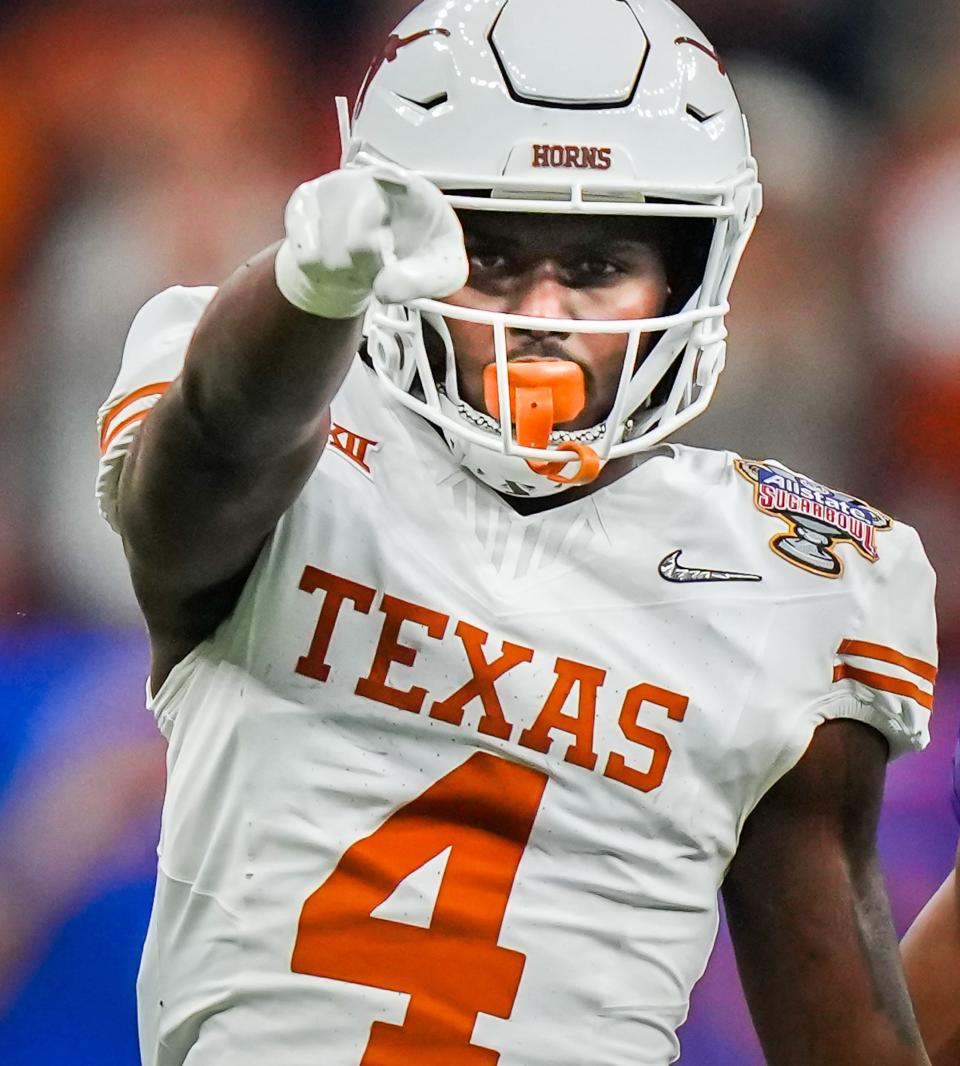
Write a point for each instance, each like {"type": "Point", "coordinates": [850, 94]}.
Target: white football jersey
{"type": "Point", "coordinates": [457, 787]}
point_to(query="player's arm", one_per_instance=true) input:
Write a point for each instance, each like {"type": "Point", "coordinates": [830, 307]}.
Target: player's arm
{"type": "Point", "coordinates": [232, 442]}
{"type": "Point", "coordinates": [809, 917]}
{"type": "Point", "coordinates": [931, 960]}
{"type": "Point", "coordinates": [216, 463]}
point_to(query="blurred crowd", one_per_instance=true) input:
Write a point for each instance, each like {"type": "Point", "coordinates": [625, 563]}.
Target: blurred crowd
{"type": "Point", "coordinates": [148, 142]}
{"type": "Point", "coordinates": [145, 143]}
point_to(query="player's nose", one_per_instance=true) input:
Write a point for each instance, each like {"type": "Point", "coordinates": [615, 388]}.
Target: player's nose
{"type": "Point", "coordinates": [542, 296]}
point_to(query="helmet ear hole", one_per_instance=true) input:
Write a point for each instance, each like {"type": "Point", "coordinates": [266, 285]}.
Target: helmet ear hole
{"type": "Point", "coordinates": [407, 360]}
{"type": "Point", "coordinates": [392, 352]}
{"type": "Point", "coordinates": [385, 350]}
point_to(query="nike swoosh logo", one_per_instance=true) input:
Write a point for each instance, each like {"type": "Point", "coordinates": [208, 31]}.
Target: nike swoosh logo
{"type": "Point", "coordinates": [671, 570]}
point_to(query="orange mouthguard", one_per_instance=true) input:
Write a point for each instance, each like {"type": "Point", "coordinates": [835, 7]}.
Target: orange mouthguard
{"type": "Point", "coordinates": [544, 393]}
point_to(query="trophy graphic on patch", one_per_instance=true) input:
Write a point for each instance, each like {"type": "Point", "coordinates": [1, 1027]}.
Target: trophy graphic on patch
{"type": "Point", "coordinates": [819, 518]}
{"type": "Point", "coordinates": [809, 546]}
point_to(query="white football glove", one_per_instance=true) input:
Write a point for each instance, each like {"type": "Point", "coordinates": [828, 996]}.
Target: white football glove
{"type": "Point", "coordinates": [369, 230]}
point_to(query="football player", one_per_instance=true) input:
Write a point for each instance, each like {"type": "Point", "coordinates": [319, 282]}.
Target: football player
{"type": "Point", "coordinates": [477, 692]}
{"type": "Point", "coordinates": [931, 958]}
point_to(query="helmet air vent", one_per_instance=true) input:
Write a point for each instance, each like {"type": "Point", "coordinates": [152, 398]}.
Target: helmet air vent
{"type": "Point", "coordinates": [430, 103]}
{"type": "Point", "coordinates": [700, 116]}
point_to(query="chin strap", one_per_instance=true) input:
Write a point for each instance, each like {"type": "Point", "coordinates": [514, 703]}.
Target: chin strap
{"type": "Point", "coordinates": [543, 394]}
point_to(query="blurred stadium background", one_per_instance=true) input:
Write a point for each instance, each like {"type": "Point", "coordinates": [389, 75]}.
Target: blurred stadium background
{"type": "Point", "coordinates": [148, 142]}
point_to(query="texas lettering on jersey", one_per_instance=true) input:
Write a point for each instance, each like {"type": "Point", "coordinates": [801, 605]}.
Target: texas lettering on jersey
{"type": "Point", "coordinates": [577, 684]}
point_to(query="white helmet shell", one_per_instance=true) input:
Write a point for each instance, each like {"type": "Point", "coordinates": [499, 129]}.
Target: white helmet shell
{"type": "Point", "coordinates": [562, 106]}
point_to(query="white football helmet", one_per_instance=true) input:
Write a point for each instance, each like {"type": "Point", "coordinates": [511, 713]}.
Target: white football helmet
{"type": "Point", "coordinates": [577, 106]}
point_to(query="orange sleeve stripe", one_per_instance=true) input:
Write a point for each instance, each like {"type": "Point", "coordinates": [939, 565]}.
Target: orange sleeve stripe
{"type": "Point", "coordinates": [157, 389]}
{"type": "Point", "coordinates": [884, 684]}
{"type": "Point", "coordinates": [121, 426]}
{"type": "Point", "coordinates": [888, 655]}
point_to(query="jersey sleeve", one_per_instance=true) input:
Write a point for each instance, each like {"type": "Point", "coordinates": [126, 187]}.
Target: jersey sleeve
{"type": "Point", "coordinates": [886, 663]}
{"type": "Point", "coordinates": [153, 358]}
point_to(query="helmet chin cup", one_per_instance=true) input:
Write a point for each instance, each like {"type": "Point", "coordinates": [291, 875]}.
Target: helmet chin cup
{"type": "Point", "coordinates": [512, 475]}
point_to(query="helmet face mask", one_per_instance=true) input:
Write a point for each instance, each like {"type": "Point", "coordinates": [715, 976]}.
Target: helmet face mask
{"type": "Point", "coordinates": [648, 126]}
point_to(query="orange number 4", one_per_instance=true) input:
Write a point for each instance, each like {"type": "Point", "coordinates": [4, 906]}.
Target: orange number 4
{"type": "Point", "coordinates": [483, 811]}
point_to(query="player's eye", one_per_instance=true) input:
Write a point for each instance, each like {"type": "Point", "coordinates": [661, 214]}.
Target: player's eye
{"type": "Point", "coordinates": [487, 262]}
{"type": "Point", "coordinates": [584, 272]}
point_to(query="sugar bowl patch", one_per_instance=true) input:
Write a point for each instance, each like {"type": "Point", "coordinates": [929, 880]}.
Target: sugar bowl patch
{"type": "Point", "coordinates": [818, 518]}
